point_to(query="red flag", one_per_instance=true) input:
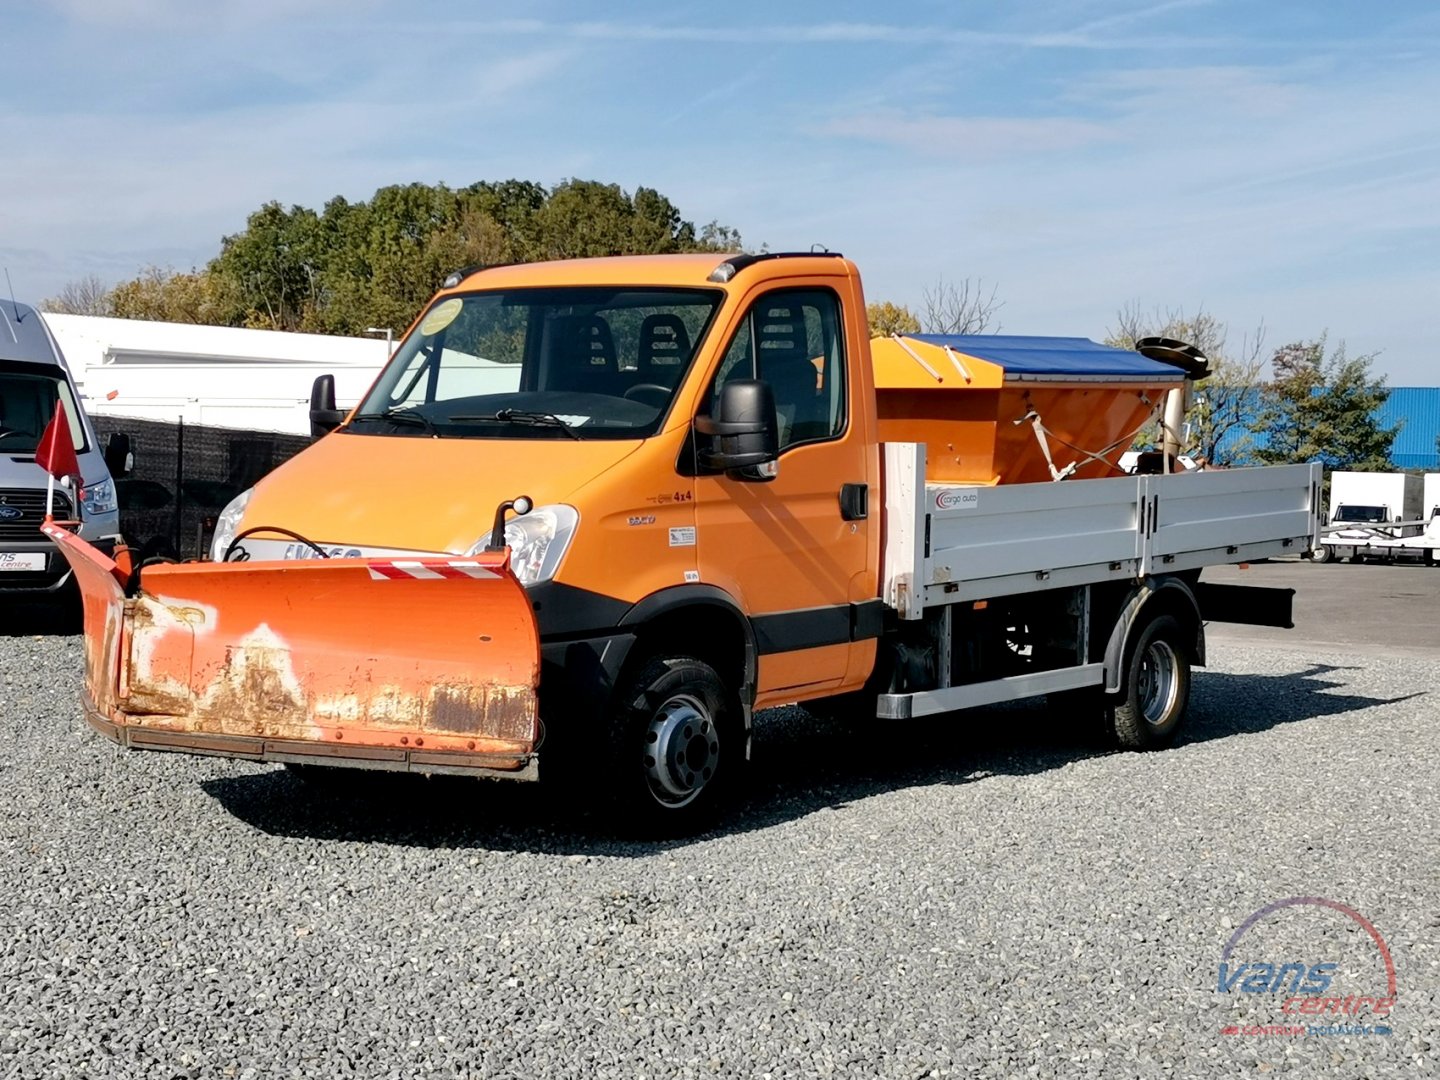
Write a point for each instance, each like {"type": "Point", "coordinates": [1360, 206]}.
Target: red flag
{"type": "Point", "coordinates": [56, 452]}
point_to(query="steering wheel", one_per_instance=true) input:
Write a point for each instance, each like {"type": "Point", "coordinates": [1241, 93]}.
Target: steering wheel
{"type": "Point", "coordinates": [7, 431]}
{"type": "Point", "coordinates": [641, 390]}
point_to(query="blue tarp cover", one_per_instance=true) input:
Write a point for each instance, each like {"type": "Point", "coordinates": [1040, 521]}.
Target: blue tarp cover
{"type": "Point", "coordinates": [1057, 356]}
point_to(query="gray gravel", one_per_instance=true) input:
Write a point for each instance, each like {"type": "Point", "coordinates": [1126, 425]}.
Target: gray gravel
{"type": "Point", "coordinates": [987, 896]}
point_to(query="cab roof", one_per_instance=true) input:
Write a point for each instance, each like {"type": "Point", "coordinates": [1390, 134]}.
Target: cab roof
{"type": "Point", "coordinates": [688, 270]}
{"type": "Point", "coordinates": [24, 336]}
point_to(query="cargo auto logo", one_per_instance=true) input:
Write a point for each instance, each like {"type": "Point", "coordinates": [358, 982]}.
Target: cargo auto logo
{"type": "Point", "coordinates": [1304, 988]}
{"type": "Point", "coordinates": [957, 499]}
{"type": "Point", "coordinates": [10, 513]}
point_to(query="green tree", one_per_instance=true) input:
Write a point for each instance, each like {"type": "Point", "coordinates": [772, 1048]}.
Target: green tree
{"type": "Point", "coordinates": [372, 263]}
{"type": "Point", "coordinates": [887, 319]}
{"type": "Point", "coordinates": [166, 296]}
{"type": "Point", "coordinates": [1225, 400]}
{"type": "Point", "coordinates": [1322, 406]}
{"type": "Point", "coordinates": [273, 267]}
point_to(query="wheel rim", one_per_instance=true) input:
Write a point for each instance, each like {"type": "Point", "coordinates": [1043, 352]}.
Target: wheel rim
{"type": "Point", "coordinates": [1158, 684]}
{"type": "Point", "coordinates": [682, 749]}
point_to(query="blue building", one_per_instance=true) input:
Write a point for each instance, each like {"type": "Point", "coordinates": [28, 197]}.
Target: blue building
{"type": "Point", "coordinates": [1415, 408]}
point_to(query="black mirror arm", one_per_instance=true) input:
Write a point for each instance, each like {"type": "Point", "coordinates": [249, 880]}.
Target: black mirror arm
{"type": "Point", "coordinates": [707, 425]}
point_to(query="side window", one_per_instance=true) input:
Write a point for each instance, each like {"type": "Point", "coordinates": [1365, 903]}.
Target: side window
{"type": "Point", "coordinates": [792, 340]}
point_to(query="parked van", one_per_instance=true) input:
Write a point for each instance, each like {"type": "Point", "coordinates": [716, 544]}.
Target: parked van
{"type": "Point", "coordinates": [33, 379]}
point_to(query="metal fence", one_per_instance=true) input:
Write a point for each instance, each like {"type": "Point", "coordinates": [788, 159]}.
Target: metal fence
{"type": "Point", "coordinates": [184, 475]}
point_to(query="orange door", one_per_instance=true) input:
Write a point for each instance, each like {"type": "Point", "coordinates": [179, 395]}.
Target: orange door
{"type": "Point", "coordinates": [788, 548]}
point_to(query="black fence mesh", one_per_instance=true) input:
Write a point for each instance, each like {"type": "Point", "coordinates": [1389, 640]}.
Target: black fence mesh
{"type": "Point", "coordinates": [184, 475]}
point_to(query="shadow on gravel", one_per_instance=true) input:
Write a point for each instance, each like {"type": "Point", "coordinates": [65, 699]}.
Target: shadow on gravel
{"type": "Point", "coordinates": [1224, 705]}
{"type": "Point", "coordinates": [802, 765]}
{"type": "Point", "coordinates": [28, 618]}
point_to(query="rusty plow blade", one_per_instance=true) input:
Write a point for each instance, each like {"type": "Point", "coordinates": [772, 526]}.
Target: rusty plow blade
{"type": "Point", "coordinates": [427, 664]}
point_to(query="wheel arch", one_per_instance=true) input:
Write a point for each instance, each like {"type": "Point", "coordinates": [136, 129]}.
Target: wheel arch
{"type": "Point", "coordinates": [1162, 596]}
{"type": "Point", "coordinates": [700, 621]}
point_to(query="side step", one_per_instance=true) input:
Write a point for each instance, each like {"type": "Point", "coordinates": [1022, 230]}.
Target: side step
{"type": "Point", "coordinates": [971, 695]}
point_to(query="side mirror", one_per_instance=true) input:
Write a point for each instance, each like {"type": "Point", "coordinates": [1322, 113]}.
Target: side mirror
{"type": "Point", "coordinates": [324, 416]}
{"type": "Point", "coordinates": [119, 459]}
{"type": "Point", "coordinates": [744, 432]}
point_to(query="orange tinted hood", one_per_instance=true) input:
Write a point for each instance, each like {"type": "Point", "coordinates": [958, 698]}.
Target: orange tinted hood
{"type": "Point", "coordinates": [418, 493]}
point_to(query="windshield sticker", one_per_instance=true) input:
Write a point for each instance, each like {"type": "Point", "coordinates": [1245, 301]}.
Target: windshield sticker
{"type": "Point", "coordinates": [573, 421]}
{"type": "Point", "coordinates": [683, 537]}
{"type": "Point", "coordinates": [441, 316]}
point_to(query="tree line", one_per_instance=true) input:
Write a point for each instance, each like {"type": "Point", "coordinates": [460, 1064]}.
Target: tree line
{"type": "Point", "coordinates": [354, 267]}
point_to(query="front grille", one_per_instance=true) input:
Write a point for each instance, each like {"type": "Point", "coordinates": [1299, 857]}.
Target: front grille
{"type": "Point", "coordinates": [30, 503]}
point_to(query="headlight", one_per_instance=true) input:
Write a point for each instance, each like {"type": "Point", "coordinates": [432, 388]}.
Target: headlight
{"type": "Point", "coordinates": [99, 498]}
{"type": "Point", "coordinates": [537, 541]}
{"type": "Point", "coordinates": [229, 524]}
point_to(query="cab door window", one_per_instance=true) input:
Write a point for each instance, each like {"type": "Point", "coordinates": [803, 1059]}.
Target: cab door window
{"type": "Point", "coordinates": [792, 340]}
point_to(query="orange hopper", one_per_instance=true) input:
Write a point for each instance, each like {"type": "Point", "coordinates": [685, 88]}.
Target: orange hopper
{"type": "Point", "coordinates": [990, 407]}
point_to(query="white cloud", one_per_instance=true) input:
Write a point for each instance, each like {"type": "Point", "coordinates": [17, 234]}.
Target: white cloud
{"type": "Point", "coordinates": [832, 33]}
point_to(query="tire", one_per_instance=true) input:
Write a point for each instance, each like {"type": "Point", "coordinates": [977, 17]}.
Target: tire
{"type": "Point", "coordinates": [673, 745]}
{"type": "Point", "coordinates": [1156, 687]}
{"type": "Point", "coordinates": [1322, 554]}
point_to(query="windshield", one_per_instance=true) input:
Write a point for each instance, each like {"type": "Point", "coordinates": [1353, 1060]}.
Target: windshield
{"type": "Point", "coordinates": [27, 404]}
{"type": "Point", "coordinates": [1369, 514]}
{"type": "Point", "coordinates": [541, 363]}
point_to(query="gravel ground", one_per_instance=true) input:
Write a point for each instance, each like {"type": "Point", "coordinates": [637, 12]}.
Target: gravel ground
{"type": "Point", "coordinates": [990, 896]}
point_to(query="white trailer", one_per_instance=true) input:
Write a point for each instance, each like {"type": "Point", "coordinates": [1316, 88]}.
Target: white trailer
{"type": "Point", "coordinates": [222, 376]}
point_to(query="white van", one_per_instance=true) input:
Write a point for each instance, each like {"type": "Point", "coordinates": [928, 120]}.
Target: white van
{"type": "Point", "coordinates": [33, 378]}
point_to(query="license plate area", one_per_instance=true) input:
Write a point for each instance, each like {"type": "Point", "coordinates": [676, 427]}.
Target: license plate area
{"type": "Point", "coordinates": [23, 560]}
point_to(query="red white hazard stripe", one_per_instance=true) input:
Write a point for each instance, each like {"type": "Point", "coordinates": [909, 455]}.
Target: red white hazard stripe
{"type": "Point", "coordinates": [430, 570]}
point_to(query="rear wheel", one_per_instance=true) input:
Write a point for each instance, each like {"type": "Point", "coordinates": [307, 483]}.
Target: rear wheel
{"type": "Point", "coordinates": [1155, 692]}
{"type": "Point", "coordinates": [1321, 554]}
{"type": "Point", "coordinates": [672, 743]}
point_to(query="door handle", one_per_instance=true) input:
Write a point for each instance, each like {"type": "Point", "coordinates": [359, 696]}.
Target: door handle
{"type": "Point", "coordinates": [854, 502]}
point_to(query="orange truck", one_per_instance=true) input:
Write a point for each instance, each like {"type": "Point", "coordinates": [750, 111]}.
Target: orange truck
{"type": "Point", "coordinates": [594, 514]}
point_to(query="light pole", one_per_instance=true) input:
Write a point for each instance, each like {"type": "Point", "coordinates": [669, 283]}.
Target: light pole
{"type": "Point", "coordinates": [389, 337]}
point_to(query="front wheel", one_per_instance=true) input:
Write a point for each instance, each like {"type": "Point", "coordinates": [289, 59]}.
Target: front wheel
{"type": "Point", "coordinates": [673, 744]}
{"type": "Point", "coordinates": [1156, 690]}
{"type": "Point", "coordinates": [1321, 554]}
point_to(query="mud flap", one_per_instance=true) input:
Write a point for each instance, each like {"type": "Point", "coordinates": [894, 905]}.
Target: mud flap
{"type": "Point", "coordinates": [428, 663]}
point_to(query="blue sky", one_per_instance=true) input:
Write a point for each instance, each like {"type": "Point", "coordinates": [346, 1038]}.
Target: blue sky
{"type": "Point", "coordinates": [1275, 161]}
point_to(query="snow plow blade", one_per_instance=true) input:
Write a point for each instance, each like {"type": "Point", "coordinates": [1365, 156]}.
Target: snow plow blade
{"type": "Point", "coordinates": [426, 664]}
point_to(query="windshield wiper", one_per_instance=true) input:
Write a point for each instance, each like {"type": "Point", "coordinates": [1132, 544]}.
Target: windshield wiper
{"type": "Point", "coordinates": [521, 416]}
{"type": "Point", "coordinates": [400, 417]}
